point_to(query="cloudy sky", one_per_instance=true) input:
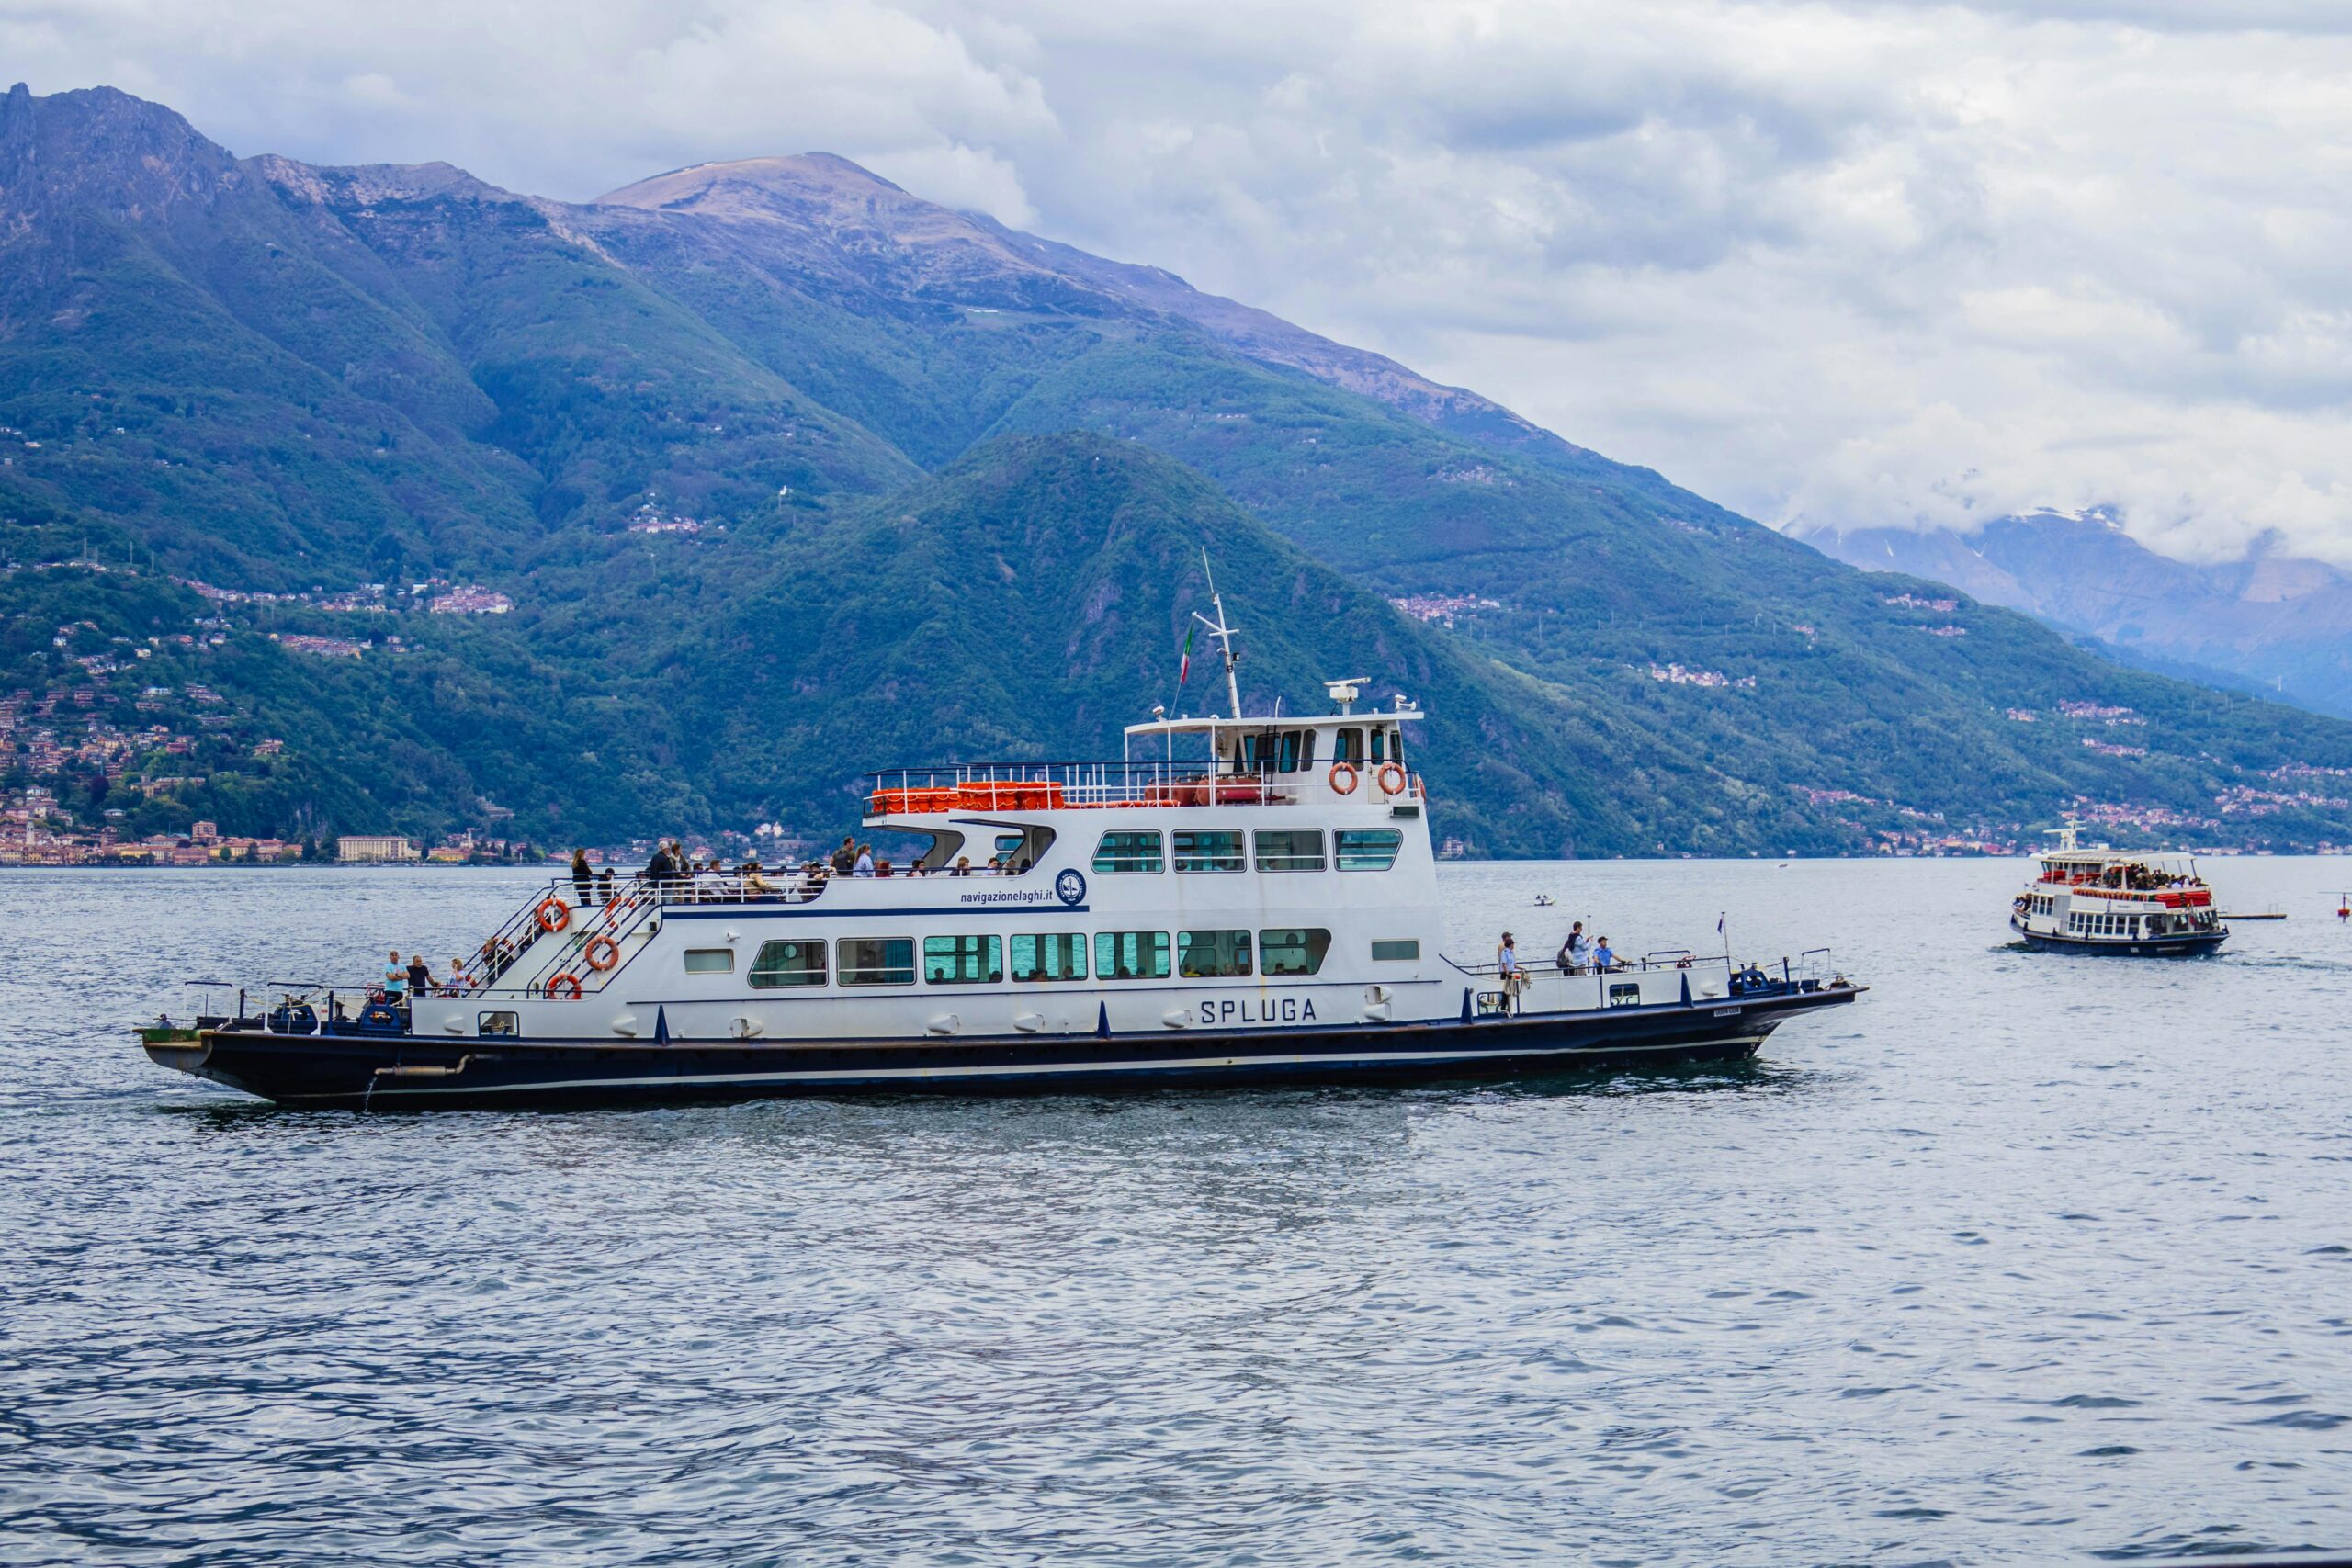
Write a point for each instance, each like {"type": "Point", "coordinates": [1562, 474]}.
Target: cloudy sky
{"type": "Point", "coordinates": [1849, 264]}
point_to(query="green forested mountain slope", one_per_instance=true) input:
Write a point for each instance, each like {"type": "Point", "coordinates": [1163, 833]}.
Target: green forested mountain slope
{"type": "Point", "coordinates": [268, 377]}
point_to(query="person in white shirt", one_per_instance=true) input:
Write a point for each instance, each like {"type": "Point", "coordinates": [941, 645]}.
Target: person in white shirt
{"type": "Point", "coordinates": [1506, 966]}
{"type": "Point", "coordinates": [1574, 953]}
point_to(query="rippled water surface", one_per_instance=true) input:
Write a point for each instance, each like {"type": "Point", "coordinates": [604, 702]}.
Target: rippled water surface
{"type": "Point", "coordinates": [2019, 1259]}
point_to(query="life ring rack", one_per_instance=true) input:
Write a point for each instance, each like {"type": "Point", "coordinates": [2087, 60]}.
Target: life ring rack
{"type": "Point", "coordinates": [1381, 777]}
{"type": "Point", "coordinates": [554, 914]}
{"type": "Point", "coordinates": [1343, 777]}
{"type": "Point", "coordinates": [601, 952]}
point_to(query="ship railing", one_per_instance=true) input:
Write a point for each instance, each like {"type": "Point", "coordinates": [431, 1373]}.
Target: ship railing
{"type": "Point", "coordinates": [525, 958]}
{"type": "Point", "coordinates": [1015, 786]}
{"type": "Point", "coordinates": [1664, 958]}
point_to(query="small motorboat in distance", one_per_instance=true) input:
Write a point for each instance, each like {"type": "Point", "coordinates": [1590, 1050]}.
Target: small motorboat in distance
{"type": "Point", "coordinates": [1239, 899]}
{"type": "Point", "coordinates": [2096, 899]}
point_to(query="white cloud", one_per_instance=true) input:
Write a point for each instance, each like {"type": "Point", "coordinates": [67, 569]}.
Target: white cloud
{"type": "Point", "coordinates": [1869, 263]}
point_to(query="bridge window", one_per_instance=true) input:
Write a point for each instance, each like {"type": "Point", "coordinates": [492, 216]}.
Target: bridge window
{"type": "Point", "coordinates": [1289, 849]}
{"type": "Point", "coordinates": [1292, 952]}
{"type": "Point", "coordinates": [1207, 851]}
{"type": "Point", "coordinates": [781, 964]}
{"type": "Point", "coordinates": [1059, 955]}
{"type": "Point", "coordinates": [1392, 951]}
{"type": "Point", "coordinates": [1213, 955]}
{"type": "Point", "coordinates": [963, 960]}
{"type": "Point", "coordinates": [1366, 849]}
{"type": "Point", "coordinates": [877, 960]}
{"type": "Point", "coordinates": [1347, 746]}
{"type": "Point", "coordinates": [1120, 852]}
{"type": "Point", "coordinates": [710, 960]}
{"type": "Point", "coordinates": [1131, 955]}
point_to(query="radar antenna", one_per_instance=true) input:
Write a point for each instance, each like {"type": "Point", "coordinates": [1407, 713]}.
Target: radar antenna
{"type": "Point", "coordinates": [1224, 635]}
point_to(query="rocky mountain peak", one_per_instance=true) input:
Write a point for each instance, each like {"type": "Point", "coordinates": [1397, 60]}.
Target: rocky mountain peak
{"type": "Point", "coordinates": [101, 149]}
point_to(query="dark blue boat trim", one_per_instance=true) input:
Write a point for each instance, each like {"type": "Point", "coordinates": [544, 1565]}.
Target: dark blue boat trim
{"type": "Point", "coordinates": [327, 1071]}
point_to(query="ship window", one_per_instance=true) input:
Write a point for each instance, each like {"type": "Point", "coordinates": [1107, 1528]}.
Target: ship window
{"type": "Point", "coordinates": [1292, 952]}
{"type": "Point", "coordinates": [963, 960]}
{"type": "Point", "coordinates": [1396, 952]}
{"type": "Point", "coordinates": [1288, 758]}
{"type": "Point", "coordinates": [780, 963]}
{"type": "Point", "coordinates": [1347, 746]}
{"type": "Point", "coordinates": [1131, 955]}
{"type": "Point", "coordinates": [1206, 851]}
{"type": "Point", "coordinates": [1213, 955]}
{"type": "Point", "coordinates": [1059, 955]}
{"type": "Point", "coordinates": [1128, 852]}
{"type": "Point", "coordinates": [505, 1024]}
{"type": "Point", "coordinates": [1366, 849]}
{"type": "Point", "coordinates": [1626, 995]}
{"type": "Point", "coordinates": [710, 960]}
{"type": "Point", "coordinates": [877, 960]}
{"type": "Point", "coordinates": [1289, 849]}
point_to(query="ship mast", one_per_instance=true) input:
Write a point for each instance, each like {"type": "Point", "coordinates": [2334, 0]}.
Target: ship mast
{"type": "Point", "coordinates": [1224, 635]}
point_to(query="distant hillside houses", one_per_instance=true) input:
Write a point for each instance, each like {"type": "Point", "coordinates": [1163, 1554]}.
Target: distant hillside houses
{"type": "Point", "coordinates": [470, 600]}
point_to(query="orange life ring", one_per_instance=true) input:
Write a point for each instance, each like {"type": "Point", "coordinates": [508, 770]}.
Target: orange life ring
{"type": "Point", "coordinates": [554, 913]}
{"type": "Point", "coordinates": [1343, 777]}
{"type": "Point", "coordinates": [602, 952]}
{"type": "Point", "coordinates": [565, 983]}
{"type": "Point", "coordinates": [1382, 778]}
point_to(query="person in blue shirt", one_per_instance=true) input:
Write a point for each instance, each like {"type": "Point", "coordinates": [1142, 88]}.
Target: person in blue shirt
{"type": "Point", "coordinates": [1603, 959]}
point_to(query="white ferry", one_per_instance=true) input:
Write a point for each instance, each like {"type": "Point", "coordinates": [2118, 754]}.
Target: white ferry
{"type": "Point", "coordinates": [1239, 899]}
{"type": "Point", "coordinates": [2097, 900]}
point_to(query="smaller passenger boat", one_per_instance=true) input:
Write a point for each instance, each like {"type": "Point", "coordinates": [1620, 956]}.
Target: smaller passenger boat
{"type": "Point", "coordinates": [2096, 899]}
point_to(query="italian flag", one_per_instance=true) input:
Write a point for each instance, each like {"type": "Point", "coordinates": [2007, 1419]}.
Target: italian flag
{"type": "Point", "coordinates": [1184, 666]}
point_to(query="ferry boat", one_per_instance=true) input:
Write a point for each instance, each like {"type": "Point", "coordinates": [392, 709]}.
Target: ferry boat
{"type": "Point", "coordinates": [2099, 900]}
{"type": "Point", "coordinates": [1239, 899]}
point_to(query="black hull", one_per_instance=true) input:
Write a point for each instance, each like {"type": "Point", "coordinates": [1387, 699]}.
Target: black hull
{"type": "Point", "coordinates": [401, 1071]}
{"type": "Point", "coordinates": [2191, 947]}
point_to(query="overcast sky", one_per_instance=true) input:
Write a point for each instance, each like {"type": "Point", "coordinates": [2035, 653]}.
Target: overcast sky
{"type": "Point", "coordinates": [1854, 264]}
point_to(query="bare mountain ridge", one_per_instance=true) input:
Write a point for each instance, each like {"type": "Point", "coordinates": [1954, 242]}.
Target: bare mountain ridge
{"type": "Point", "coordinates": [831, 202]}
{"type": "Point", "coordinates": [2280, 621]}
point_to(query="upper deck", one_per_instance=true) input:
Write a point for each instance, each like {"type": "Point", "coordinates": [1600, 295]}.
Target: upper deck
{"type": "Point", "coordinates": [1342, 759]}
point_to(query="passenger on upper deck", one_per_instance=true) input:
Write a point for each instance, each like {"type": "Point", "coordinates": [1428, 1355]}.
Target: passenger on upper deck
{"type": "Point", "coordinates": [584, 881]}
{"type": "Point", "coordinates": [1507, 966]}
{"type": "Point", "coordinates": [846, 858]}
{"type": "Point", "coordinates": [864, 864]}
{"type": "Point", "coordinates": [963, 866]}
{"type": "Point", "coordinates": [1575, 952]}
{"type": "Point", "coordinates": [1603, 961]}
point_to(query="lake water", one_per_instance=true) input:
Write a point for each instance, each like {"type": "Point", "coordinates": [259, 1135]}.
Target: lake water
{"type": "Point", "coordinates": [2019, 1259]}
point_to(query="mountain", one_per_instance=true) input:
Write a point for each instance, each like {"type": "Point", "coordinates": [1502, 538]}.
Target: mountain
{"type": "Point", "coordinates": [356, 497]}
{"type": "Point", "coordinates": [2275, 623]}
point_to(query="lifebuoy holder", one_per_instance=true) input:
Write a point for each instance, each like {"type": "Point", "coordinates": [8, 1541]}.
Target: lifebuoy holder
{"type": "Point", "coordinates": [563, 987]}
{"type": "Point", "coordinates": [1382, 778]}
{"type": "Point", "coordinates": [1343, 777]}
{"type": "Point", "coordinates": [554, 913]}
{"type": "Point", "coordinates": [601, 952]}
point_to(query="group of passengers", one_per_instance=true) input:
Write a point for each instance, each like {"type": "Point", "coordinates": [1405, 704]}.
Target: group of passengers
{"type": "Point", "coordinates": [856, 859]}
{"type": "Point", "coordinates": [2138, 878]}
{"type": "Point", "coordinates": [1577, 955]}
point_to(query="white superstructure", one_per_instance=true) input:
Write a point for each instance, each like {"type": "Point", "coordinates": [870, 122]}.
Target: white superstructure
{"type": "Point", "coordinates": [1242, 871]}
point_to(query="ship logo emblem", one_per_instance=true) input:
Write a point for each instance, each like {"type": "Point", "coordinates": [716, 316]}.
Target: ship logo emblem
{"type": "Point", "coordinates": [1070, 888]}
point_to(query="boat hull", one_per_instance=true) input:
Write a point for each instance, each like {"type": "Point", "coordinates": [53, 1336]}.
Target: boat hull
{"type": "Point", "coordinates": [401, 1071]}
{"type": "Point", "coordinates": [2188, 945]}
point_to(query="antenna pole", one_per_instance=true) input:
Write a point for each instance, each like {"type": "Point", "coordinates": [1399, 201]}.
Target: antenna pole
{"type": "Point", "coordinates": [1223, 633]}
